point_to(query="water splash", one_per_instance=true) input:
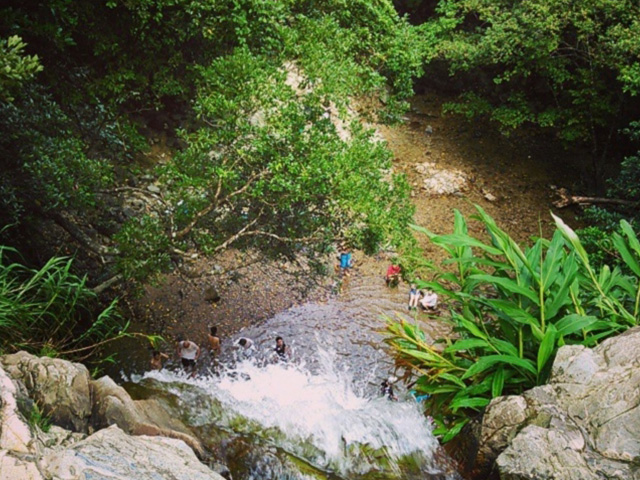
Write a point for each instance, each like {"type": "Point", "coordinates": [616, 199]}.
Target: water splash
{"type": "Point", "coordinates": [322, 415]}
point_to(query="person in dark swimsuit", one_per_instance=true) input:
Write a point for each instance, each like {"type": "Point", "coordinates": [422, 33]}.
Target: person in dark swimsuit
{"type": "Point", "coordinates": [387, 390]}
{"type": "Point", "coordinates": [282, 350]}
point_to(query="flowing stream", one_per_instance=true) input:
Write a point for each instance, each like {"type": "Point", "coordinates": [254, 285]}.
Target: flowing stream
{"type": "Point", "coordinates": [319, 415]}
{"type": "Point", "coordinates": [322, 415]}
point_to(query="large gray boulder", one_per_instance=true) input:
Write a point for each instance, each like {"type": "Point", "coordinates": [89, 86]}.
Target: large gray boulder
{"type": "Point", "coordinates": [60, 388]}
{"type": "Point", "coordinates": [112, 405]}
{"type": "Point", "coordinates": [584, 424]}
{"type": "Point", "coordinates": [112, 454]}
{"type": "Point", "coordinates": [28, 453]}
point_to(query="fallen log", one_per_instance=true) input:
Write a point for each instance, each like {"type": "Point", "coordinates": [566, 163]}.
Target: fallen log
{"type": "Point", "coordinates": [566, 199]}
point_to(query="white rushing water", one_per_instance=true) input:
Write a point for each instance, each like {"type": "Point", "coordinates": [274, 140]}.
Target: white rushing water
{"type": "Point", "coordinates": [322, 415]}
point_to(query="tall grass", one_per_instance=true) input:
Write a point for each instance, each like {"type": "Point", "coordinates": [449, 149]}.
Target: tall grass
{"type": "Point", "coordinates": [51, 311]}
{"type": "Point", "coordinates": [512, 308]}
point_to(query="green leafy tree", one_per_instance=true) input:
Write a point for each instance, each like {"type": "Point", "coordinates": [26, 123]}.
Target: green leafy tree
{"type": "Point", "coordinates": [513, 308]}
{"type": "Point", "coordinates": [259, 164]}
{"type": "Point", "coordinates": [569, 66]}
{"type": "Point", "coordinates": [15, 67]}
{"type": "Point", "coordinates": [269, 169]}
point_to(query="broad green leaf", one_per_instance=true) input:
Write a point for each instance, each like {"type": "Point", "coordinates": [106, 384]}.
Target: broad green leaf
{"type": "Point", "coordinates": [497, 383]}
{"type": "Point", "coordinates": [466, 344]}
{"type": "Point", "coordinates": [460, 240]}
{"type": "Point", "coordinates": [484, 363]}
{"type": "Point", "coordinates": [547, 347]}
{"type": "Point", "coordinates": [475, 403]}
{"type": "Point", "coordinates": [552, 261]}
{"type": "Point", "coordinates": [452, 379]}
{"type": "Point", "coordinates": [504, 346]}
{"type": "Point", "coordinates": [573, 240]}
{"type": "Point", "coordinates": [509, 285]}
{"type": "Point", "coordinates": [455, 430]}
{"type": "Point", "coordinates": [631, 236]}
{"type": "Point", "coordinates": [573, 323]}
{"type": "Point", "coordinates": [512, 311]}
{"type": "Point", "coordinates": [559, 297]}
{"type": "Point", "coordinates": [626, 255]}
{"type": "Point", "coordinates": [472, 328]}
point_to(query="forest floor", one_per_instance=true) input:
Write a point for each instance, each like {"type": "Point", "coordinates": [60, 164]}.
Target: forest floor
{"type": "Point", "coordinates": [512, 178]}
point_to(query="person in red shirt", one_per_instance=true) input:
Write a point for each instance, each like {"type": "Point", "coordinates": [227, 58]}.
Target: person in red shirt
{"type": "Point", "coordinates": [393, 275]}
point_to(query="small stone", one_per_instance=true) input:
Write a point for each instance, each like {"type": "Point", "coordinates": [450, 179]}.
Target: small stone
{"type": "Point", "coordinates": [488, 196]}
{"type": "Point", "coordinates": [153, 188]}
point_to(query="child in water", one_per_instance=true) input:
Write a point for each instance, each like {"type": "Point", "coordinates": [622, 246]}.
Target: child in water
{"type": "Point", "coordinates": [157, 358]}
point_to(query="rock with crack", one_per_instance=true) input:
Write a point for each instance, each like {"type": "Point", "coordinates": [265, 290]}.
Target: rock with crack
{"type": "Point", "coordinates": [584, 424]}
{"type": "Point", "coordinates": [113, 405]}
{"type": "Point", "coordinates": [112, 454]}
{"type": "Point", "coordinates": [59, 388]}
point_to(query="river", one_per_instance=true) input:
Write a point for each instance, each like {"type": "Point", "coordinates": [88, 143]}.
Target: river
{"type": "Point", "coordinates": [322, 415]}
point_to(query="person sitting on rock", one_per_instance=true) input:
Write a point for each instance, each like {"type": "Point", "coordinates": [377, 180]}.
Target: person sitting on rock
{"type": "Point", "coordinates": [393, 275]}
{"type": "Point", "coordinates": [429, 301]}
{"type": "Point", "coordinates": [413, 297]}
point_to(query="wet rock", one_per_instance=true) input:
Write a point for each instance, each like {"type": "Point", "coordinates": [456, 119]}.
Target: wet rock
{"type": "Point", "coordinates": [15, 435]}
{"type": "Point", "coordinates": [584, 424]}
{"type": "Point", "coordinates": [111, 453]}
{"type": "Point", "coordinates": [28, 453]}
{"type": "Point", "coordinates": [113, 405]}
{"type": "Point", "coordinates": [60, 388]}
{"type": "Point", "coordinates": [222, 470]}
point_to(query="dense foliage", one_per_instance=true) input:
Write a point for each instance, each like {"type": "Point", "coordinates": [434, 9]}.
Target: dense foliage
{"type": "Point", "coordinates": [512, 309]}
{"type": "Point", "coordinates": [263, 160]}
{"type": "Point", "coordinates": [570, 66]}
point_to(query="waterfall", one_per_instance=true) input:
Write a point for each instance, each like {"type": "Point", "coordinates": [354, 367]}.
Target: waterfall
{"type": "Point", "coordinates": [317, 412]}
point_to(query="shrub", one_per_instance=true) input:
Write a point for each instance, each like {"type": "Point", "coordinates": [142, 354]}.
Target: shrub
{"type": "Point", "coordinates": [512, 309]}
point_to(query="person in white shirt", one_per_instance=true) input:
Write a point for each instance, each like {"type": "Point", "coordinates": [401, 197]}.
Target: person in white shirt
{"type": "Point", "coordinates": [189, 353]}
{"type": "Point", "coordinates": [429, 301]}
{"type": "Point", "coordinates": [246, 346]}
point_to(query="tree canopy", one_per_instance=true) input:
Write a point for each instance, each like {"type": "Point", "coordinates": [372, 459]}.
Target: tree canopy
{"type": "Point", "coordinates": [569, 66]}
{"type": "Point", "coordinates": [259, 159]}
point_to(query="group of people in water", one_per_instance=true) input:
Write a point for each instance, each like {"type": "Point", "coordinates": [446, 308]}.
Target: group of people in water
{"type": "Point", "coordinates": [189, 352]}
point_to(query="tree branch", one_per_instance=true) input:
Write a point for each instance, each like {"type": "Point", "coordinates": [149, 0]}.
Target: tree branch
{"type": "Point", "coordinates": [63, 220]}
{"type": "Point", "coordinates": [215, 202]}
{"type": "Point", "coordinates": [236, 236]}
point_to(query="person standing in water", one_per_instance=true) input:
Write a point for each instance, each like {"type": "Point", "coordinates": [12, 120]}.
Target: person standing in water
{"type": "Point", "coordinates": [386, 389]}
{"type": "Point", "coordinates": [214, 340]}
{"type": "Point", "coordinates": [157, 358]}
{"type": "Point", "coordinates": [283, 352]}
{"type": "Point", "coordinates": [189, 353]}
